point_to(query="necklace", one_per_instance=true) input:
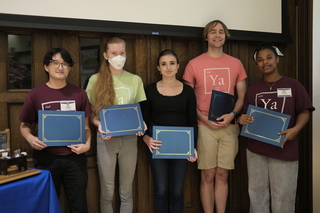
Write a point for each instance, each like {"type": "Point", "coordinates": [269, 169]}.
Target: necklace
{"type": "Point", "coordinates": [270, 86]}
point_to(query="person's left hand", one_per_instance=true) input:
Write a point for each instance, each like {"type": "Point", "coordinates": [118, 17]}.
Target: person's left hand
{"type": "Point", "coordinates": [79, 148]}
{"type": "Point", "coordinates": [290, 135]}
{"type": "Point", "coordinates": [139, 134]}
{"type": "Point", "coordinates": [193, 159]}
{"type": "Point", "coordinates": [226, 119]}
{"type": "Point", "coordinates": [145, 129]}
{"type": "Point", "coordinates": [101, 132]}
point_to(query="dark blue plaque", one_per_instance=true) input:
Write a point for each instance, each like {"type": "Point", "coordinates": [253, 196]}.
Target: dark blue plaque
{"type": "Point", "coordinates": [117, 120]}
{"type": "Point", "coordinates": [61, 128]}
{"type": "Point", "coordinates": [177, 142]}
{"type": "Point", "coordinates": [221, 103]}
{"type": "Point", "coordinates": [266, 125]}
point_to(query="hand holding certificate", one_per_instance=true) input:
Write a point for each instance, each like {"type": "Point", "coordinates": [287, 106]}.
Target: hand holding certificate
{"type": "Point", "coordinates": [117, 120]}
{"type": "Point", "coordinates": [266, 125]}
{"type": "Point", "coordinates": [61, 128]}
{"type": "Point", "coordinates": [177, 142]}
{"type": "Point", "coordinates": [221, 103]}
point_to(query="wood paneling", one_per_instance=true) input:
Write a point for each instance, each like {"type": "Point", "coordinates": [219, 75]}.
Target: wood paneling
{"type": "Point", "coordinates": [3, 61]}
{"type": "Point", "coordinates": [142, 53]}
{"type": "Point", "coordinates": [303, 71]}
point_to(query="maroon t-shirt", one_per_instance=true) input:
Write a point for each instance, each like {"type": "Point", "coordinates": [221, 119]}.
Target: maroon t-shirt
{"type": "Point", "coordinates": [46, 98]}
{"type": "Point", "coordinates": [260, 95]}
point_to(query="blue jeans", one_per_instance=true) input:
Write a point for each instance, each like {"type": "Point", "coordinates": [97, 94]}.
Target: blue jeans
{"type": "Point", "coordinates": [168, 177]}
{"type": "Point", "coordinates": [71, 172]}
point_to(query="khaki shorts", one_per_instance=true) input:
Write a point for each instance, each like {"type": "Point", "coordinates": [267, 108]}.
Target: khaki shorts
{"type": "Point", "coordinates": [217, 147]}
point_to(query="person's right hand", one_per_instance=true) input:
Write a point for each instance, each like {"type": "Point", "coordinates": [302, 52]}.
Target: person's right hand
{"type": "Point", "coordinates": [245, 119]}
{"type": "Point", "coordinates": [35, 143]}
{"type": "Point", "coordinates": [152, 144]}
{"type": "Point", "coordinates": [101, 132]}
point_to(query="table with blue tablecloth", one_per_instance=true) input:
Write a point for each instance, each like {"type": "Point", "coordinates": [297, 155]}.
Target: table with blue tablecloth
{"type": "Point", "coordinates": [34, 194]}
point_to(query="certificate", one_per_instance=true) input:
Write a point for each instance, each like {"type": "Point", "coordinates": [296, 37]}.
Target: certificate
{"type": "Point", "coordinates": [177, 142]}
{"type": "Point", "coordinates": [61, 128]}
{"type": "Point", "coordinates": [266, 125]}
{"type": "Point", "coordinates": [117, 120]}
{"type": "Point", "coordinates": [221, 103]}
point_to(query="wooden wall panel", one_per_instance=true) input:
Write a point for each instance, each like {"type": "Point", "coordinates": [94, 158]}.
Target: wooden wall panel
{"type": "Point", "coordinates": [93, 188]}
{"type": "Point", "coordinates": [4, 115]}
{"type": "Point", "coordinates": [20, 142]}
{"type": "Point", "coordinates": [3, 80]}
{"type": "Point", "coordinates": [304, 75]}
{"type": "Point", "coordinates": [40, 45]}
{"type": "Point", "coordinates": [72, 44]}
{"type": "Point", "coordinates": [3, 62]}
{"type": "Point", "coordinates": [143, 178]}
{"type": "Point", "coordinates": [156, 46]}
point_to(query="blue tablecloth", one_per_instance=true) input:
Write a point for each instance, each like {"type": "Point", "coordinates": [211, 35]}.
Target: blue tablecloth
{"type": "Point", "coordinates": [34, 194]}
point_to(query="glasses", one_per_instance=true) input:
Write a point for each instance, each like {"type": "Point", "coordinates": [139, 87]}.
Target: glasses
{"type": "Point", "coordinates": [57, 64]}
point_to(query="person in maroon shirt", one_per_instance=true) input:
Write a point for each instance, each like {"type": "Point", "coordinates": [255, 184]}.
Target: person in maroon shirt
{"type": "Point", "coordinates": [67, 164]}
{"type": "Point", "coordinates": [273, 170]}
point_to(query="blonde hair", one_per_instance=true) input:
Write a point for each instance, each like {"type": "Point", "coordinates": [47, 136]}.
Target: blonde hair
{"type": "Point", "coordinates": [104, 93]}
{"type": "Point", "coordinates": [211, 25]}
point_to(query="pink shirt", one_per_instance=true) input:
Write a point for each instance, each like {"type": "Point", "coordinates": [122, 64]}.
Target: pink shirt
{"type": "Point", "coordinates": [207, 74]}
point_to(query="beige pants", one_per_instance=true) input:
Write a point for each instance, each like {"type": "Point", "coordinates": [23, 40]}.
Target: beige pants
{"type": "Point", "coordinates": [217, 147]}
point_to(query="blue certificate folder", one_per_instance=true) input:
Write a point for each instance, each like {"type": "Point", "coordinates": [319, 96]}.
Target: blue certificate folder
{"type": "Point", "coordinates": [221, 103]}
{"type": "Point", "coordinates": [266, 125]}
{"type": "Point", "coordinates": [177, 142]}
{"type": "Point", "coordinates": [123, 119]}
{"type": "Point", "coordinates": [61, 128]}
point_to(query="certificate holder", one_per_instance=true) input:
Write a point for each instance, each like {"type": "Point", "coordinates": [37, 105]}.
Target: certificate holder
{"type": "Point", "coordinates": [117, 120]}
{"type": "Point", "coordinates": [61, 128]}
{"type": "Point", "coordinates": [221, 103]}
{"type": "Point", "coordinates": [266, 125]}
{"type": "Point", "coordinates": [177, 142]}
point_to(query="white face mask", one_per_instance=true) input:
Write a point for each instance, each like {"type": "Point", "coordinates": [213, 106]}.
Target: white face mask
{"type": "Point", "coordinates": [117, 62]}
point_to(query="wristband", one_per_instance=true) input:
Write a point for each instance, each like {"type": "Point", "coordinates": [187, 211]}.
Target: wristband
{"type": "Point", "coordinates": [235, 114]}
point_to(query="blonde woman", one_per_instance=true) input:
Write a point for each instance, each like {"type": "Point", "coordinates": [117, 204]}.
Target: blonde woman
{"type": "Point", "coordinates": [112, 85]}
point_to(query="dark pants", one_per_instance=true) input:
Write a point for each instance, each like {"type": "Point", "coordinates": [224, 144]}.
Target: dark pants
{"type": "Point", "coordinates": [168, 177]}
{"type": "Point", "coordinates": [71, 172]}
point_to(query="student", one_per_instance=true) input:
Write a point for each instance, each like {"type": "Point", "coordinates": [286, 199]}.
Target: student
{"type": "Point", "coordinates": [217, 141]}
{"type": "Point", "coordinates": [169, 103]}
{"type": "Point", "coordinates": [67, 164]}
{"type": "Point", "coordinates": [273, 170]}
{"type": "Point", "coordinates": [115, 86]}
